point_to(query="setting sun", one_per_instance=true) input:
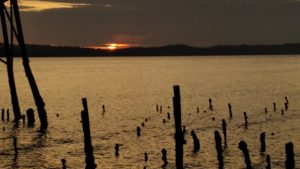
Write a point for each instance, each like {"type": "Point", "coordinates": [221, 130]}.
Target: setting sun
{"type": "Point", "coordinates": [112, 46]}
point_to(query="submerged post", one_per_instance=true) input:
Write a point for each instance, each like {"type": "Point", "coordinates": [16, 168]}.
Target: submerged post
{"type": "Point", "coordinates": [196, 141]}
{"type": "Point", "coordinates": [218, 142]}
{"type": "Point", "coordinates": [262, 142]}
{"type": "Point", "coordinates": [243, 147]}
{"type": "Point", "coordinates": [268, 160]}
{"type": "Point", "coordinates": [178, 128]}
{"type": "Point", "coordinates": [88, 148]}
{"type": "Point", "coordinates": [224, 128]}
{"type": "Point", "coordinates": [230, 110]}
{"type": "Point", "coordinates": [290, 157]}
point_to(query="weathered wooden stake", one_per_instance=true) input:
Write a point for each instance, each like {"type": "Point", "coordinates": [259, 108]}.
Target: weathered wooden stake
{"type": "Point", "coordinates": [88, 148]}
{"type": "Point", "coordinates": [266, 110]}
{"type": "Point", "coordinates": [138, 131]}
{"type": "Point", "coordinates": [30, 117]}
{"type": "Point", "coordinates": [246, 119]}
{"type": "Point", "coordinates": [145, 156]}
{"type": "Point", "coordinates": [290, 157]}
{"type": "Point", "coordinates": [230, 110]}
{"type": "Point", "coordinates": [2, 115]}
{"type": "Point", "coordinates": [274, 106]}
{"type": "Point", "coordinates": [157, 108]}
{"type": "Point", "coordinates": [63, 161]}
{"type": "Point", "coordinates": [224, 127]}
{"type": "Point", "coordinates": [117, 150]}
{"type": "Point", "coordinates": [178, 128]}
{"type": "Point", "coordinates": [198, 110]}
{"type": "Point", "coordinates": [286, 106]}
{"type": "Point", "coordinates": [103, 108]}
{"type": "Point", "coordinates": [262, 142]}
{"type": "Point", "coordinates": [282, 112]}
{"type": "Point", "coordinates": [218, 142]}
{"type": "Point", "coordinates": [196, 141]}
{"type": "Point", "coordinates": [268, 160]}
{"type": "Point", "coordinates": [243, 147]}
{"type": "Point", "coordinates": [210, 105]}
{"type": "Point", "coordinates": [286, 100]}
{"type": "Point", "coordinates": [164, 157]}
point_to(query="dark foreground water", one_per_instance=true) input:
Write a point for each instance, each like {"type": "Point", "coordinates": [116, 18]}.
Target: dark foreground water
{"type": "Point", "coordinates": [131, 87]}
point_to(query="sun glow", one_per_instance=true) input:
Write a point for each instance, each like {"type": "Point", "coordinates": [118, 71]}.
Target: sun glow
{"type": "Point", "coordinates": [112, 46]}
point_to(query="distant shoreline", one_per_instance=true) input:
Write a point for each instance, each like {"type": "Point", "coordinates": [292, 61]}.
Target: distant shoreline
{"type": "Point", "coordinates": [171, 50]}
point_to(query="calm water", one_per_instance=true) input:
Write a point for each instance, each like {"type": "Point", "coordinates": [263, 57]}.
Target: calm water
{"type": "Point", "coordinates": [131, 87]}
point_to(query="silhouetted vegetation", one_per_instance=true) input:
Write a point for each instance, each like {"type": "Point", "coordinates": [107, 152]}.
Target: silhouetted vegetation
{"type": "Point", "coordinates": [171, 50]}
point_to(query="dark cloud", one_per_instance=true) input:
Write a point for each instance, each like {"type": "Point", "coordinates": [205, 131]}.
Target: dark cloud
{"type": "Point", "coordinates": [160, 22]}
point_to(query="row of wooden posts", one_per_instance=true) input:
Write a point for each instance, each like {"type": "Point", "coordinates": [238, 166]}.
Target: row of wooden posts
{"type": "Point", "coordinates": [180, 141]}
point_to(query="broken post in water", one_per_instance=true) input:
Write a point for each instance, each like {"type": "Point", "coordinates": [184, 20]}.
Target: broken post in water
{"type": "Point", "coordinates": [178, 128]}
{"type": "Point", "coordinates": [243, 147]}
{"type": "Point", "coordinates": [196, 141]}
{"type": "Point", "coordinates": [262, 142]}
{"type": "Point", "coordinates": [218, 143]}
{"type": "Point", "coordinates": [230, 110]}
{"type": "Point", "coordinates": [246, 119]}
{"type": "Point", "coordinates": [290, 156]}
{"type": "Point", "coordinates": [224, 128]}
{"type": "Point", "coordinates": [164, 157]}
{"type": "Point", "coordinates": [88, 148]}
{"type": "Point", "coordinates": [268, 160]}
{"type": "Point", "coordinates": [2, 115]}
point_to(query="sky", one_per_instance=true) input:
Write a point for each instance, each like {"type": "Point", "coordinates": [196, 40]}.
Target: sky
{"type": "Point", "coordinates": [94, 23]}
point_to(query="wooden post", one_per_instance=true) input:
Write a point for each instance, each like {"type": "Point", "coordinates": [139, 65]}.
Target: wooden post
{"type": "Point", "coordinates": [290, 157]}
{"type": "Point", "coordinates": [88, 148]}
{"type": "Point", "coordinates": [266, 110]}
{"type": "Point", "coordinates": [196, 141]}
{"type": "Point", "coordinates": [268, 160]}
{"type": "Point", "coordinates": [117, 150]}
{"type": "Point", "coordinates": [262, 142]}
{"type": "Point", "coordinates": [138, 131]}
{"type": "Point", "coordinates": [230, 110]}
{"type": "Point", "coordinates": [178, 128]}
{"type": "Point", "coordinates": [2, 115]}
{"type": "Point", "coordinates": [243, 147]}
{"type": "Point", "coordinates": [30, 117]}
{"type": "Point", "coordinates": [34, 88]}
{"type": "Point", "coordinates": [9, 63]}
{"type": "Point", "coordinates": [218, 143]}
{"type": "Point", "coordinates": [164, 157]}
{"type": "Point", "coordinates": [145, 157]}
{"type": "Point", "coordinates": [246, 119]}
{"type": "Point", "coordinates": [63, 161]}
{"type": "Point", "coordinates": [274, 106]}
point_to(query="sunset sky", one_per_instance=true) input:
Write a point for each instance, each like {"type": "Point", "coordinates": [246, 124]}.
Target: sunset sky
{"type": "Point", "coordinates": [160, 22]}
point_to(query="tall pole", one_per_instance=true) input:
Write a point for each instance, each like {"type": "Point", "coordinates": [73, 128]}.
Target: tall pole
{"type": "Point", "coordinates": [34, 88]}
{"type": "Point", "coordinates": [9, 64]}
{"type": "Point", "coordinates": [178, 128]}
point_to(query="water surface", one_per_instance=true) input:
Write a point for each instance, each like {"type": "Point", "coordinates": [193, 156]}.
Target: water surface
{"type": "Point", "coordinates": [131, 87]}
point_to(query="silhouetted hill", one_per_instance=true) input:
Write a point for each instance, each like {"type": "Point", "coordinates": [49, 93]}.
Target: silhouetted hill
{"type": "Point", "coordinates": [171, 50]}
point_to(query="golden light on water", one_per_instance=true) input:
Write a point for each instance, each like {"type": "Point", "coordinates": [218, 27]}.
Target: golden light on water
{"type": "Point", "coordinates": [37, 5]}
